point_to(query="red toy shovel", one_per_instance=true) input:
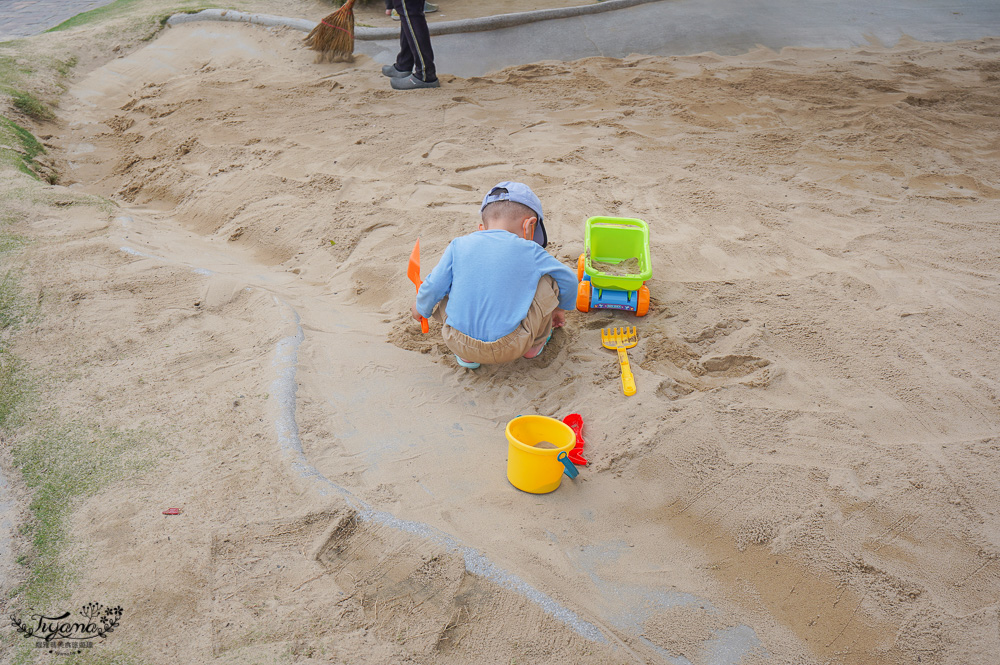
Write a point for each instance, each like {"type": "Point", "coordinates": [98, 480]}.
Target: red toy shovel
{"type": "Point", "coordinates": [575, 423]}
{"type": "Point", "coordinates": [413, 272]}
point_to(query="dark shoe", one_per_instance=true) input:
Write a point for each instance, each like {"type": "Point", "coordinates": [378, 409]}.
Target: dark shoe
{"type": "Point", "coordinates": [411, 82]}
{"type": "Point", "coordinates": [393, 73]}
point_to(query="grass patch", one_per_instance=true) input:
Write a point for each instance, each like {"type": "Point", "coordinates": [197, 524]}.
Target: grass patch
{"type": "Point", "coordinates": [12, 308]}
{"type": "Point", "coordinates": [120, 8]}
{"type": "Point", "coordinates": [20, 80]}
{"type": "Point", "coordinates": [11, 71]}
{"type": "Point", "coordinates": [12, 313]}
{"type": "Point", "coordinates": [19, 147]}
{"type": "Point", "coordinates": [9, 243]}
{"type": "Point", "coordinates": [61, 466]}
{"type": "Point", "coordinates": [64, 67]}
{"type": "Point", "coordinates": [12, 388]}
{"type": "Point", "coordinates": [113, 10]}
{"type": "Point", "coordinates": [29, 105]}
{"type": "Point", "coordinates": [16, 135]}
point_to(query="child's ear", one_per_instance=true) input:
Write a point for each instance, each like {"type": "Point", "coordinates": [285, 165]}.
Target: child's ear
{"type": "Point", "coordinates": [481, 227]}
{"type": "Point", "coordinates": [528, 225]}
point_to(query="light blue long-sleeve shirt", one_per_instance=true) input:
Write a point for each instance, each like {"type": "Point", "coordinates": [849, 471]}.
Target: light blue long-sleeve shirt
{"type": "Point", "coordinates": [490, 279]}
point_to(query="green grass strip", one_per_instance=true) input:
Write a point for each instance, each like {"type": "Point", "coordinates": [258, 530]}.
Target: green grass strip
{"type": "Point", "coordinates": [19, 147]}
{"type": "Point", "coordinates": [11, 386]}
{"type": "Point", "coordinates": [115, 9]}
{"type": "Point", "coordinates": [12, 309]}
{"type": "Point", "coordinates": [28, 104]}
{"type": "Point", "coordinates": [120, 8]}
{"type": "Point", "coordinates": [61, 466]}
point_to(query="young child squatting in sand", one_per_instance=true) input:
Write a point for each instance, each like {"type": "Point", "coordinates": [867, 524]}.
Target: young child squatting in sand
{"type": "Point", "coordinates": [500, 292]}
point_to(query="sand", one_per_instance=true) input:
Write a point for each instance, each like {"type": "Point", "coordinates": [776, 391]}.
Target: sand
{"type": "Point", "coordinates": [807, 473]}
{"type": "Point", "coordinates": [627, 267]}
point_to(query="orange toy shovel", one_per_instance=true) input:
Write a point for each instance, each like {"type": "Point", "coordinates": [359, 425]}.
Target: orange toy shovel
{"type": "Point", "coordinates": [413, 272]}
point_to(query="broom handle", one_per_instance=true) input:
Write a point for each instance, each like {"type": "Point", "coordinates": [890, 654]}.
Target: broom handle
{"type": "Point", "coordinates": [348, 6]}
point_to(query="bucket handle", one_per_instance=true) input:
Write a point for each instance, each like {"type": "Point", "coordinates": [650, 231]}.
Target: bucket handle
{"type": "Point", "coordinates": [570, 468]}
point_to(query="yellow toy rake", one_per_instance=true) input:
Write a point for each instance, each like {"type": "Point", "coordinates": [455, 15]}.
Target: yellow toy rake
{"type": "Point", "coordinates": [621, 339]}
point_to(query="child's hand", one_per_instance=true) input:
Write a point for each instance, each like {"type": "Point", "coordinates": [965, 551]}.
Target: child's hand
{"type": "Point", "coordinates": [558, 318]}
{"type": "Point", "coordinates": [414, 312]}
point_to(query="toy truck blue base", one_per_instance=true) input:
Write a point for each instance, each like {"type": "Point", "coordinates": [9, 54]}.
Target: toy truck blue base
{"type": "Point", "coordinates": [590, 297]}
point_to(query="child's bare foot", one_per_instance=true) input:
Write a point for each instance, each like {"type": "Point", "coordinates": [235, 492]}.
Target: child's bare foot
{"type": "Point", "coordinates": [536, 351]}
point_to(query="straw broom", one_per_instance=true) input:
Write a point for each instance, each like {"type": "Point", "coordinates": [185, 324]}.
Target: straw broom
{"type": "Point", "coordinates": [333, 37]}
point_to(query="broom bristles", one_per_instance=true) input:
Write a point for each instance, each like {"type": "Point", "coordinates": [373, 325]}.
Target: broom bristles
{"type": "Point", "coordinates": [333, 37]}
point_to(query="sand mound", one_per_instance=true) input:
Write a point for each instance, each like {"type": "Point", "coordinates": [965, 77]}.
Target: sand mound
{"type": "Point", "coordinates": [807, 472]}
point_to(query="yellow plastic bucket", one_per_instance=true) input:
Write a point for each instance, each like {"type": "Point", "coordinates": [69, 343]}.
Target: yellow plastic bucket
{"type": "Point", "coordinates": [531, 469]}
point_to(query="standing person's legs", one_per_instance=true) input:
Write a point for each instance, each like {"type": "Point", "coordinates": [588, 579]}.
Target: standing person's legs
{"type": "Point", "coordinates": [404, 60]}
{"type": "Point", "coordinates": [414, 40]}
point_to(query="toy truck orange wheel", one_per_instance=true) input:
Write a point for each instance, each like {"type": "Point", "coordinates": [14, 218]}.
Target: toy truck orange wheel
{"type": "Point", "coordinates": [580, 263]}
{"type": "Point", "coordinates": [641, 305]}
{"type": "Point", "coordinates": [583, 297]}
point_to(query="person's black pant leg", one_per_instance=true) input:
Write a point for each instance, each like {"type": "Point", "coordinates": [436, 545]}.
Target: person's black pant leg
{"type": "Point", "coordinates": [414, 40]}
{"type": "Point", "coordinates": [404, 60]}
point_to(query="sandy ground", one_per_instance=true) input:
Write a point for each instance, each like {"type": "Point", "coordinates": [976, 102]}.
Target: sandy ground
{"type": "Point", "coordinates": [806, 474]}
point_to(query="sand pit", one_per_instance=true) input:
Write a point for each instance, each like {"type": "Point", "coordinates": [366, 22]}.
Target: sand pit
{"type": "Point", "coordinates": [805, 475]}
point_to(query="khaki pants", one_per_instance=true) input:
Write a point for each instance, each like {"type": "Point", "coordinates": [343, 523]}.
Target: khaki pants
{"type": "Point", "coordinates": [532, 331]}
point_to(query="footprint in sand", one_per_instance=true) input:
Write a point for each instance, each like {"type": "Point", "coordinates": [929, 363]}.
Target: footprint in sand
{"type": "Point", "coordinates": [939, 186]}
{"type": "Point", "coordinates": [732, 366]}
{"type": "Point", "coordinates": [690, 365]}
